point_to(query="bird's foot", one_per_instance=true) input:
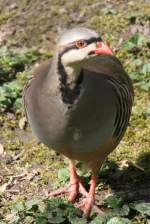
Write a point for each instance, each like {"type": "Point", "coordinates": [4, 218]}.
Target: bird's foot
{"type": "Point", "coordinates": [72, 190]}
{"type": "Point", "coordinates": [75, 188]}
{"type": "Point", "coordinates": [88, 203]}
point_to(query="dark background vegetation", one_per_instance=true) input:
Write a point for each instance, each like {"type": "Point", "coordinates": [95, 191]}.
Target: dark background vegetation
{"type": "Point", "coordinates": [28, 32]}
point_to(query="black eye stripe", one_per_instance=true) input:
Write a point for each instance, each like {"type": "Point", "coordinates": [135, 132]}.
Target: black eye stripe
{"type": "Point", "coordinates": [73, 46]}
{"type": "Point", "coordinates": [93, 39]}
{"type": "Point", "coordinates": [68, 49]}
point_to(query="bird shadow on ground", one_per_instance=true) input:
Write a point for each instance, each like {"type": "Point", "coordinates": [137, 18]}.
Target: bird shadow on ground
{"type": "Point", "coordinates": [131, 182]}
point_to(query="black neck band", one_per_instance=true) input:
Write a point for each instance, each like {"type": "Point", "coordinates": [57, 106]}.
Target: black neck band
{"type": "Point", "coordinates": [69, 95]}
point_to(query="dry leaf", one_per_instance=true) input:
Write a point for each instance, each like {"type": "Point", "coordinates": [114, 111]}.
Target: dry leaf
{"type": "Point", "coordinates": [22, 123]}
{"type": "Point", "coordinates": [123, 164]}
{"type": "Point", "coordinates": [1, 149]}
{"type": "Point", "coordinates": [126, 163]}
{"type": "Point", "coordinates": [3, 188]}
{"type": "Point", "coordinates": [30, 175]}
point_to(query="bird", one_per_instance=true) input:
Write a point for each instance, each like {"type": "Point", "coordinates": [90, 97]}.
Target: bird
{"type": "Point", "coordinates": [79, 104]}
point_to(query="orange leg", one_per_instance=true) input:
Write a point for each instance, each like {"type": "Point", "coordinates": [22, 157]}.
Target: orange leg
{"type": "Point", "coordinates": [74, 183]}
{"type": "Point", "coordinates": [72, 189]}
{"type": "Point", "coordinates": [88, 203]}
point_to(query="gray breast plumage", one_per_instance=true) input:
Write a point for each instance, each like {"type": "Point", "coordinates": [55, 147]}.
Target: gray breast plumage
{"type": "Point", "coordinates": [93, 120]}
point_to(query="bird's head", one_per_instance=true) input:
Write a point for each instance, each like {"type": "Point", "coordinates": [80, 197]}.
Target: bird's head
{"type": "Point", "coordinates": [78, 45]}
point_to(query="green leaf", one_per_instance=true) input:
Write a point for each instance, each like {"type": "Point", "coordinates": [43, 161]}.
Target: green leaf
{"type": "Point", "coordinates": [123, 211]}
{"type": "Point", "coordinates": [135, 75]}
{"type": "Point", "coordinates": [4, 51]}
{"type": "Point", "coordinates": [113, 201]}
{"type": "Point", "coordinates": [56, 219]}
{"type": "Point", "coordinates": [128, 45]}
{"type": "Point", "coordinates": [137, 62]}
{"type": "Point", "coordinates": [77, 220]}
{"type": "Point", "coordinates": [41, 220]}
{"type": "Point", "coordinates": [146, 69]}
{"type": "Point", "coordinates": [100, 219]}
{"type": "Point", "coordinates": [32, 203]}
{"type": "Point", "coordinates": [18, 104]}
{"type": "Point", "coordinates": [57, 210]}
{"type": "Point", "coordinates": [109, 9]}
{"type": "Point", "coordinates": [18, 207]}
{"type": "Point", "coordinates": [63, 174]}
{"type": "Point", "coordinates": [142, 207]}
{"type": "Point", "coordinates": [118, 220]}
{"type": "Point", "coordinates": [144, 85]}
{"type": "Point", "coordinates": [9, 92]}
{"type": "Point", "coordinates": [13, 89]}
{"type": "Point", "coordinates": [137, 40]}
{"type": "Point", "coordinates": [147, 112]}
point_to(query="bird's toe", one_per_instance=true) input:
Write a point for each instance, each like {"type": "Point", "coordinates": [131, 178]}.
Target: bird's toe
{"type": "Point", "coordinates": [72, 190]}
{"type": "Point", "coordinates": [86, 205]}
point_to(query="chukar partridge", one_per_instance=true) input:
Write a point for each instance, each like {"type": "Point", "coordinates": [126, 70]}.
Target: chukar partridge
{"type": "Point", "coordinates": [79, 104]}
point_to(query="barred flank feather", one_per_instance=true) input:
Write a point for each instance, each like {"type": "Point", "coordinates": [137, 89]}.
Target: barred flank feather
{"type": "Point", "coordinates": [124, 100]}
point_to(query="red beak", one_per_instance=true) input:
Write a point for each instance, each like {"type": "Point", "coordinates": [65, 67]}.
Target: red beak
{"type": "Point", "coordinates": [102, 48]}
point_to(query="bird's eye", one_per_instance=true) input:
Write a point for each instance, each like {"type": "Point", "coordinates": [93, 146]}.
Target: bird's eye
{"type": "Point", "coordinates": [81, 43]}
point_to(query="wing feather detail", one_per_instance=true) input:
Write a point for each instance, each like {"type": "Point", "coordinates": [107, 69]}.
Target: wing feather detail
{"type": "Point", "coordinates": [124, 101]}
